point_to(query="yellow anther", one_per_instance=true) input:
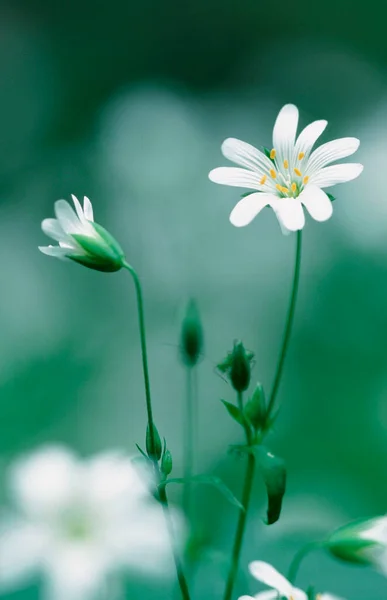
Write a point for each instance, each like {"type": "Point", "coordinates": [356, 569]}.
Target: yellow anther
{"type": "Point", "coordinates": [272, 154]}
{"type": "Point", "coordinates": [294, 187]}
{"type": "Point", "coordinates": [263, 180]}
{"type": "Point", "coordinates": [318, 597]}
{"type": "Point", "coordinates": [273, 174]}
{"type": "Point", "coordinates": [282, 189]}
{"type": "Point", "coordinates": [298, 172]}
{"type": "Point", "coordinates": [305, 180]}
{"type": "Point", "coordinates": [286, 164]}
{"type": "Point", "coordinates": [301, 155]}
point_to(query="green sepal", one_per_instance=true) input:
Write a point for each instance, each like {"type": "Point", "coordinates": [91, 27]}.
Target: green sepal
{"type": "Point", "coordinates": [103, 254]}
{"type": "Point", "coordinates": [212, 480]}
{"type": "Point", "coordinates": [141, 451]}
{"type": "Point", "coordinates": [274, 476]}
{"type": "Point", "coordinates": [331, 197]}
{"type": "Point", "coordinates": [311, 593]}
{"type": "Point", "coordinates": [96, 265]}
{"type": "Point", "coordinates": [166, 461]}
{"type": "Point", "coordinates": [255, 409]}
{"type": "Point", "coordinates": [114, 246]}
{"type": "Point", "coordinates": [154, 453]}
{"type": "Point", "coordinates": [351, 550]}
{"type": "Point", "coordinates": [266, 151]}
{"type": "Point", "coordinates": [234, 412]}
{"type": "Point", "coordinates": [248, 194]}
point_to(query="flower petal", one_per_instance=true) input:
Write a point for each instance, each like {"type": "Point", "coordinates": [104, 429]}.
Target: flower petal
{"type": "Point", "coordinates": [336, 174]}
{"type": "Point", "coordinates": [330, 152]}
{"type": "Point", "coordinates": [284, 132]}
{"type": "Point", "coordinates": [246, 155]}
{"type": "Point", "coordinates": [329, 597]}
{"type": "Point", "coordinates": [317, 202]}
{"type": "Point", "coordinates": [236, 177]}
{"type": "Point", "coordinates": [43, 483]}
{"type": "Point", "coordinates": [78, 208]}
{"type": "Point", "coordinates": [267, 574]}
{"type": "Point", "coordinates": [269, 595]}
{"type": "Point", "coordinates": [88, 209]}
{"type": "Point", "coordinates": [248, 208]}
{"type": "Point", "coordinates": [53, 229]}
{"type": "Point", "coordinates": [289, 213]}
{"type": "Point", "coordinates": [67, 217]}
{"type": "Point", "coordinates": [55, 251]}
{"type": "Point", "coordinates": [308, 137]}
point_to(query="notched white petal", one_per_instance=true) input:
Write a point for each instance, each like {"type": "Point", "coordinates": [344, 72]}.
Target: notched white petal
{"type": "Point", "coordinates": [235, 177]}
{"type": "Point", "coordinates": [248, 208]}
{"type": "Point", "coordinates": [55, 251]}
{"type": "Point", "coordinates": [78, 208]}
{"type": "Point", "coordinates": [267, 574]}
{"type": "Point", "coordinates": [290, 213]}
{"type": "Point", "coordinates": [317, 203]}
{"type": "Point", "coordinates": [336, 174]}
{"type": "Point", "coordinates": [330, 152]}
{"type": "Point", "coordinates": [53, 229]}
{"type": "Point", "coordinates": [284, 132]}
{"type": "Point", "coordinates": [245, 155]}
{"type": "Point", "coordinates": [309, 136]}
{"type": "Point", "coordinates": [67, 217]}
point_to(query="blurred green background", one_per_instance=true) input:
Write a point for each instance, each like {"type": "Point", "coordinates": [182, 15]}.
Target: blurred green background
{"type": "Point", "coordinates": [128, 103]}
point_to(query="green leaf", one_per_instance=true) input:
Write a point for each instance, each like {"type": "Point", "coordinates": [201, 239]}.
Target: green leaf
{"type": "Point", "coordinates": [274, 476]}
{"type": "Point", "coordinates": [141, 451]}
{"type": "Point", "coordinates": [234, 412]}
{"type": "Point", "coordinates": [213, 481]}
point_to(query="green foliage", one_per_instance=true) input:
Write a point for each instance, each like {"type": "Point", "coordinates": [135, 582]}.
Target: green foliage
{"type": "Point", "coordinates": [234, 412]}
{"type": "Point", "coordinates": [274, 476]}
{"type": "Point", "coordinates": [255, 408]}
{"type": "Point", "coordinates": [191, 335]}
{"type": "Point", "coordinates": [237, 367]}
{"type": "Point", "coordinates": [213, 481]}
{"type": "Point", "coordinates": [153, 452]}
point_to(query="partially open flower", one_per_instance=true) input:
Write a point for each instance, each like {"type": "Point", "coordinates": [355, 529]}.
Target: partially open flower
{"type": "Point", "coordinates": [290, 176]}
{"type": "Point", "coordinates": [80, 239]}
{"type": "Point", "coordinates": [362, 542]}
{"type": "Point", "coordinates": [281, 587]}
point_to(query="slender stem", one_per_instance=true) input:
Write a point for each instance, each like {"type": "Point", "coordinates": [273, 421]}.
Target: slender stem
{"type": "Point", "coordinates": [190, 435]}
{"type": "Point", "coordinates": [246, 496]}
{"type": "Point", "coordinates": [299, 557]}
{"type": "Point", "coordinates": [141, 321]}
{"type": "Point", "coordinates": [288, 325]}
{"type": "Point", "coordinates": [179, 568]}
{"type": "Point", "coordinates": [162, 492]}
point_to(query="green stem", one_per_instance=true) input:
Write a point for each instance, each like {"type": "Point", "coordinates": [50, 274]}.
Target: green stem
{"type": "Point", "coordinates": [162, 493]}
{"type": "Point", "coordinates": [179, 568]}
{"type": "Point", "coordinates": [298, 558]}
{"type": "Point", "coordinates": [288, 325]}
{"type": "Point", "coordinates": [190, 438]}
{"type": "Point", "coordinates": [246, 496]}
{"type": "Point", "coordinates": [141, 321]}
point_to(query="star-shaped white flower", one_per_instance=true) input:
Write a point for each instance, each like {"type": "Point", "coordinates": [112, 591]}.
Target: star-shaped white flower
{"type": "Point", "coordinates": [80, 238]}
{"type": "Point", "coordinates": [79, 523]}
{"type": "Point", "coordinates": [282, 588]}
{"type": "Point", "coordinates": [290, 176]}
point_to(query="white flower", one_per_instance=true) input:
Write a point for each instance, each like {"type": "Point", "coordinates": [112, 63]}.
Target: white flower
{"type": "Point", "coordinates": [79, 523]}
{"type": "Point", "coordinates": [282, 588]}
{"type": "Point", "coordinates": [362, 542]}
{"type": "Point", "coordinates": [80, 238]}
{"type": "Point", "coordinates": [291, 177]}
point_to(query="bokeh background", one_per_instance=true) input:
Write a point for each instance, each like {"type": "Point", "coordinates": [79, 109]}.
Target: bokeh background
{"type": "Point", "coordinates": [128, 102]}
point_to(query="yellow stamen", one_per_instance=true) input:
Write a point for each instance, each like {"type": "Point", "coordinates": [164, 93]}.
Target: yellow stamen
{"type": "Point", "coordinates": [272, 154]}
{"type": "Point", "coordinates": [294, 187]}
{"type": "Point", "coordinates": [263, 180]}
{"type": "Point", "coordinates": [282, 189]}
{"type": "Point", "coordinates": [298, 172]}
{"type": "Point", "coordinates": [273, 174]}
{"type": "Point", "coordinates": [301, 155]}
{"type": "Point", "coordinates": [305, 180]}
{"type": "Point", "coordinates": [286, 164]}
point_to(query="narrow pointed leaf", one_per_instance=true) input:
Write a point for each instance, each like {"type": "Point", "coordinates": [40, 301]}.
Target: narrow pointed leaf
{"type": "Point", "coordinates": [213, 481]}
{"type": "Point", "coordinates": [234, 412]}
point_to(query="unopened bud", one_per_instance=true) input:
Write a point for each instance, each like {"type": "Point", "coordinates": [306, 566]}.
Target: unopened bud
{"type": "Point", "coordinates": [166, 463]}
{"type": "Point", "coordinates": [153, 443]}
{"type": "Point", "coordinates": [240, 371]}
{"type": "Point", "coordinates": [191, 335]}
{"type": "Point", "coordinates": [361, 542]}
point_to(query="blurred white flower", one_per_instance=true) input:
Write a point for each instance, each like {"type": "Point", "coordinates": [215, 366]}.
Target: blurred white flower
{"type": "Point", "coordinates": [290, 175]}
{"type": "Point", "coordinates": [79, 523]}
{"type": "Point", "coordinates": [362, 542]}
{"type": "Point", "coordinates": [282, 588]}
{"type": "Point", "coordinates": [80, 238]}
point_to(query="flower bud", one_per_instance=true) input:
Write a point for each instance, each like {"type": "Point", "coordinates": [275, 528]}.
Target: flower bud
{"type": "Point", "coordinates": [154, 449]}
{"type": "Point", "coordinates": [191, 335]}
{"type": "Point", "coordinates": [166, 463]}
{"type": "Point", "coordinates": [255, 409]}
{"type": "Point", "coordinates": [361, 542]}
{"type": "Point", "coordinates": [240, 372]}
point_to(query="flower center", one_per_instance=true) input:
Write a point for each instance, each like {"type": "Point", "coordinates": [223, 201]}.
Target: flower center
{"type": "Point", "coordinates": [77, 524]}
{"type": "Point", "coordinates": [289, 179]}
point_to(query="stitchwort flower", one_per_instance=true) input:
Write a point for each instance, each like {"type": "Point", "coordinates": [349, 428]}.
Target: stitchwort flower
{"type": "Point", "coordinates": [80, 238]}
{"type": "Point", "coordinates": [290, 175]}
{"type": "Point", "coordinates": [282, 588]}
{"type": "Point", "coordinates": [79, 523]}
